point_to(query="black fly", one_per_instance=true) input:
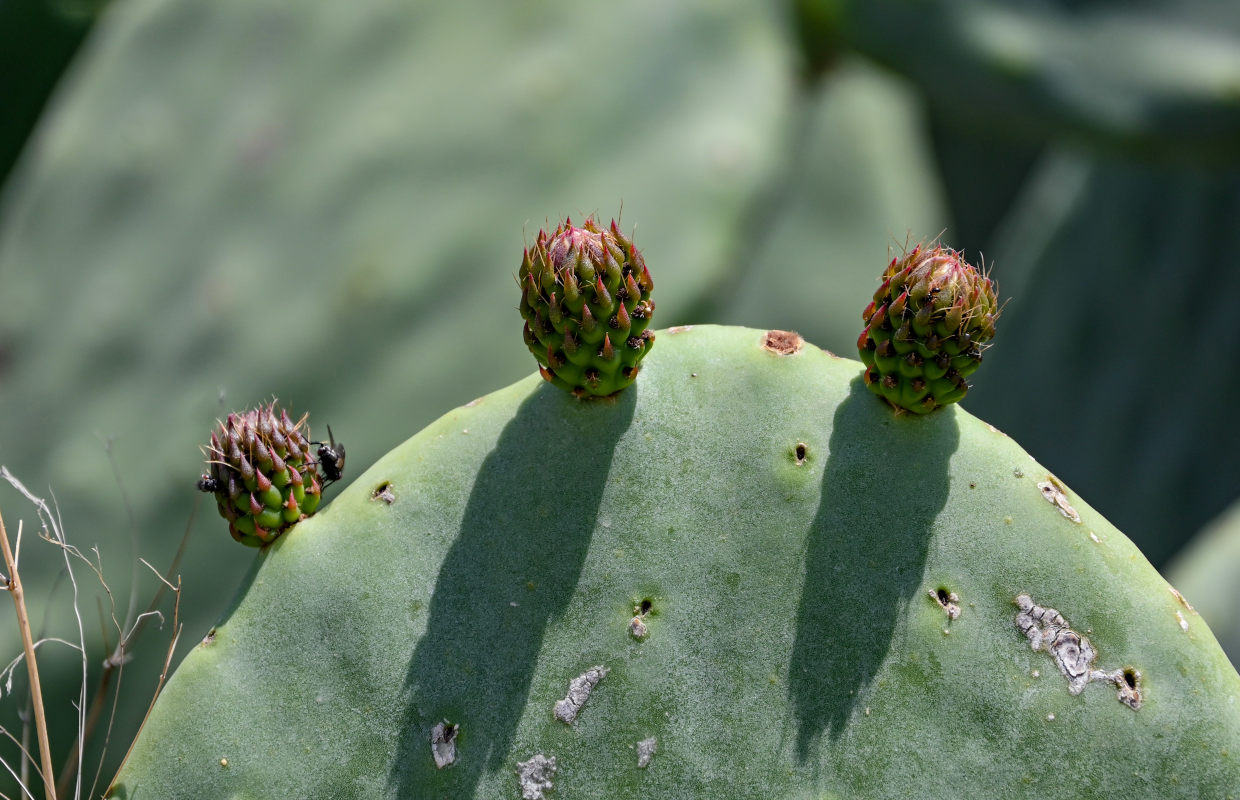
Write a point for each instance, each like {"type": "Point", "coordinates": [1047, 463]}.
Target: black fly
{"type": "Point", "coordinates": [208, 484]}
{"type": "Point", "coordinates": [331, 458]}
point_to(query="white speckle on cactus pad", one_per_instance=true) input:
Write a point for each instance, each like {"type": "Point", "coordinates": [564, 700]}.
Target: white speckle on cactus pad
{"type": "Point", "coordinates": [535, 776]}
{"type": "Point", "coordinates": [579, 689]}
{"type": "Point", "coordinates": [645, 751]}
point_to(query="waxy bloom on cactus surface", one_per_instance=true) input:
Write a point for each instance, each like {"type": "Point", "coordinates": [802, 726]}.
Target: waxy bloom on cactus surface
{"type": "Point", "coordinates": [262, 473]}
{"type": "Point", "coordinates": [926, 328]}
{"type": "Point", "coordinates": [585, 297]}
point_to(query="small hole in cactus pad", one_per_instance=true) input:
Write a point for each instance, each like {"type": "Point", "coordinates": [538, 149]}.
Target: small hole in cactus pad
{"type": "Point", "coordinates": [1129, 688]}
{"type": "Point", "coordinates": [783, 343]}
{"type": "Point", "coordinates": [948, 600]}
{"type": "Point", "coordinates": [645, 606]}
{"type": "Point", "coordinates": [800, 451]}
{"type": "Point", "coordinates": [384, 492]}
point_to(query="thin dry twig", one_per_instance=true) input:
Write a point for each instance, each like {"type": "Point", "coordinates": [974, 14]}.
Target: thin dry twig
{"type": "Point", "coordinates": [53, 529]}
{"type": "Point", "coordinates": [14, 585]}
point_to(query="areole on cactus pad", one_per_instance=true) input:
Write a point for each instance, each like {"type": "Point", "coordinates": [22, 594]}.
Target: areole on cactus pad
{"type": "Point", "coordinates": [743, 577]}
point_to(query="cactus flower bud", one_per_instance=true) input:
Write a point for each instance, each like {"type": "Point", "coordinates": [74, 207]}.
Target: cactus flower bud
{"type": "Point", "coordinates": [926, 329]}
{"type": "Point", "coordinates": [585, 297]}
{"type": "Point", "coordinates": [262, 472]}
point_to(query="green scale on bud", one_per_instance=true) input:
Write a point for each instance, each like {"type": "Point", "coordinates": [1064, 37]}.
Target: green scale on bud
{"type": "Point", "coordinates": [926, 329]}
{"type": "Point", "coordinates": [262, 473]}
{"type": "Point", "coordinates": [585, 297]}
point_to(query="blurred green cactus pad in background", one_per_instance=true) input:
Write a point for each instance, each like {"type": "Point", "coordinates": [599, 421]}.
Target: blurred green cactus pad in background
{"type": "Point", "coordinates": [743, 577]}
{"type": "Point", "coordinates": [1208, 572]}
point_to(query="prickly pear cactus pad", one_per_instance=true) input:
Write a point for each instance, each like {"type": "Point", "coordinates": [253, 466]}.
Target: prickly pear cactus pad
{"type": "Point", "coordinates": [262, 473]}
{"type": "Point", "coordinates": [925, 329]}
{"type": "Point", "coordinates": [740, 578]}
{"type": "Point", "coordinates": [585, 297]}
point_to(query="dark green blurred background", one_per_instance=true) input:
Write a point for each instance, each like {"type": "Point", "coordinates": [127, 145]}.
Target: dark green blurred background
{"type": "Point", "coordinates": [326, 202]}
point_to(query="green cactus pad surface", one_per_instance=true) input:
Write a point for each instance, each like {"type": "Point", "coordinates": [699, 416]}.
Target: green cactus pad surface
{"type": "Point", "coordinates": [744, 573]}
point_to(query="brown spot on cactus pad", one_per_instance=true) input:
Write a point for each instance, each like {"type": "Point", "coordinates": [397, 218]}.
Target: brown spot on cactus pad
{"type": "Point", "coordinates": [783, 343]}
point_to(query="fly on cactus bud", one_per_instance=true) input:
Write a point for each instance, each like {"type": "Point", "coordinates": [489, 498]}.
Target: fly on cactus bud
{"type": "Point", "coordinates": [263, 473]}
{"type": "Point", "coordinates": [586, 291]}
{"type": "Point", "coordinates": [926, 329]}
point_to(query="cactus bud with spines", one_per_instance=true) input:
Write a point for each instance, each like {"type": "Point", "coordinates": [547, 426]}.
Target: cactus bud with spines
{"type": "Point", "coordinates": [585, 298]}
{"type": "Point", "coordinates": [262, 472]}
{"type": "Point", "coordinates": [926, 328]}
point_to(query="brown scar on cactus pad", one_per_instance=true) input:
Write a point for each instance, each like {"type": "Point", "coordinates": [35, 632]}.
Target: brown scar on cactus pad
{"type": "Point", "coordinates": [585, 298]}
{"type": "Point", "coordinates": [1057, 495]}
{"type": "Point", "coordinates": [783, 343]}
{"type": "Point", "coordinates": [926, 328]}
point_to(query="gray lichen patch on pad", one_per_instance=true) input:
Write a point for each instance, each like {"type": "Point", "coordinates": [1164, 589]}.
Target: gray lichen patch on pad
{"type": "Point", "coordinates": [579, 689]}
{"type": "Point", "coordinates": [535, 776]}
{"type": "Point", "coordinates": [1047, 630]}
{"type": "Point", "coordinates": [645, 752]}
{"type": "Point", "coordinates": [443, 743]}
{"type": "Point", "coordinates": [1057, 495]}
